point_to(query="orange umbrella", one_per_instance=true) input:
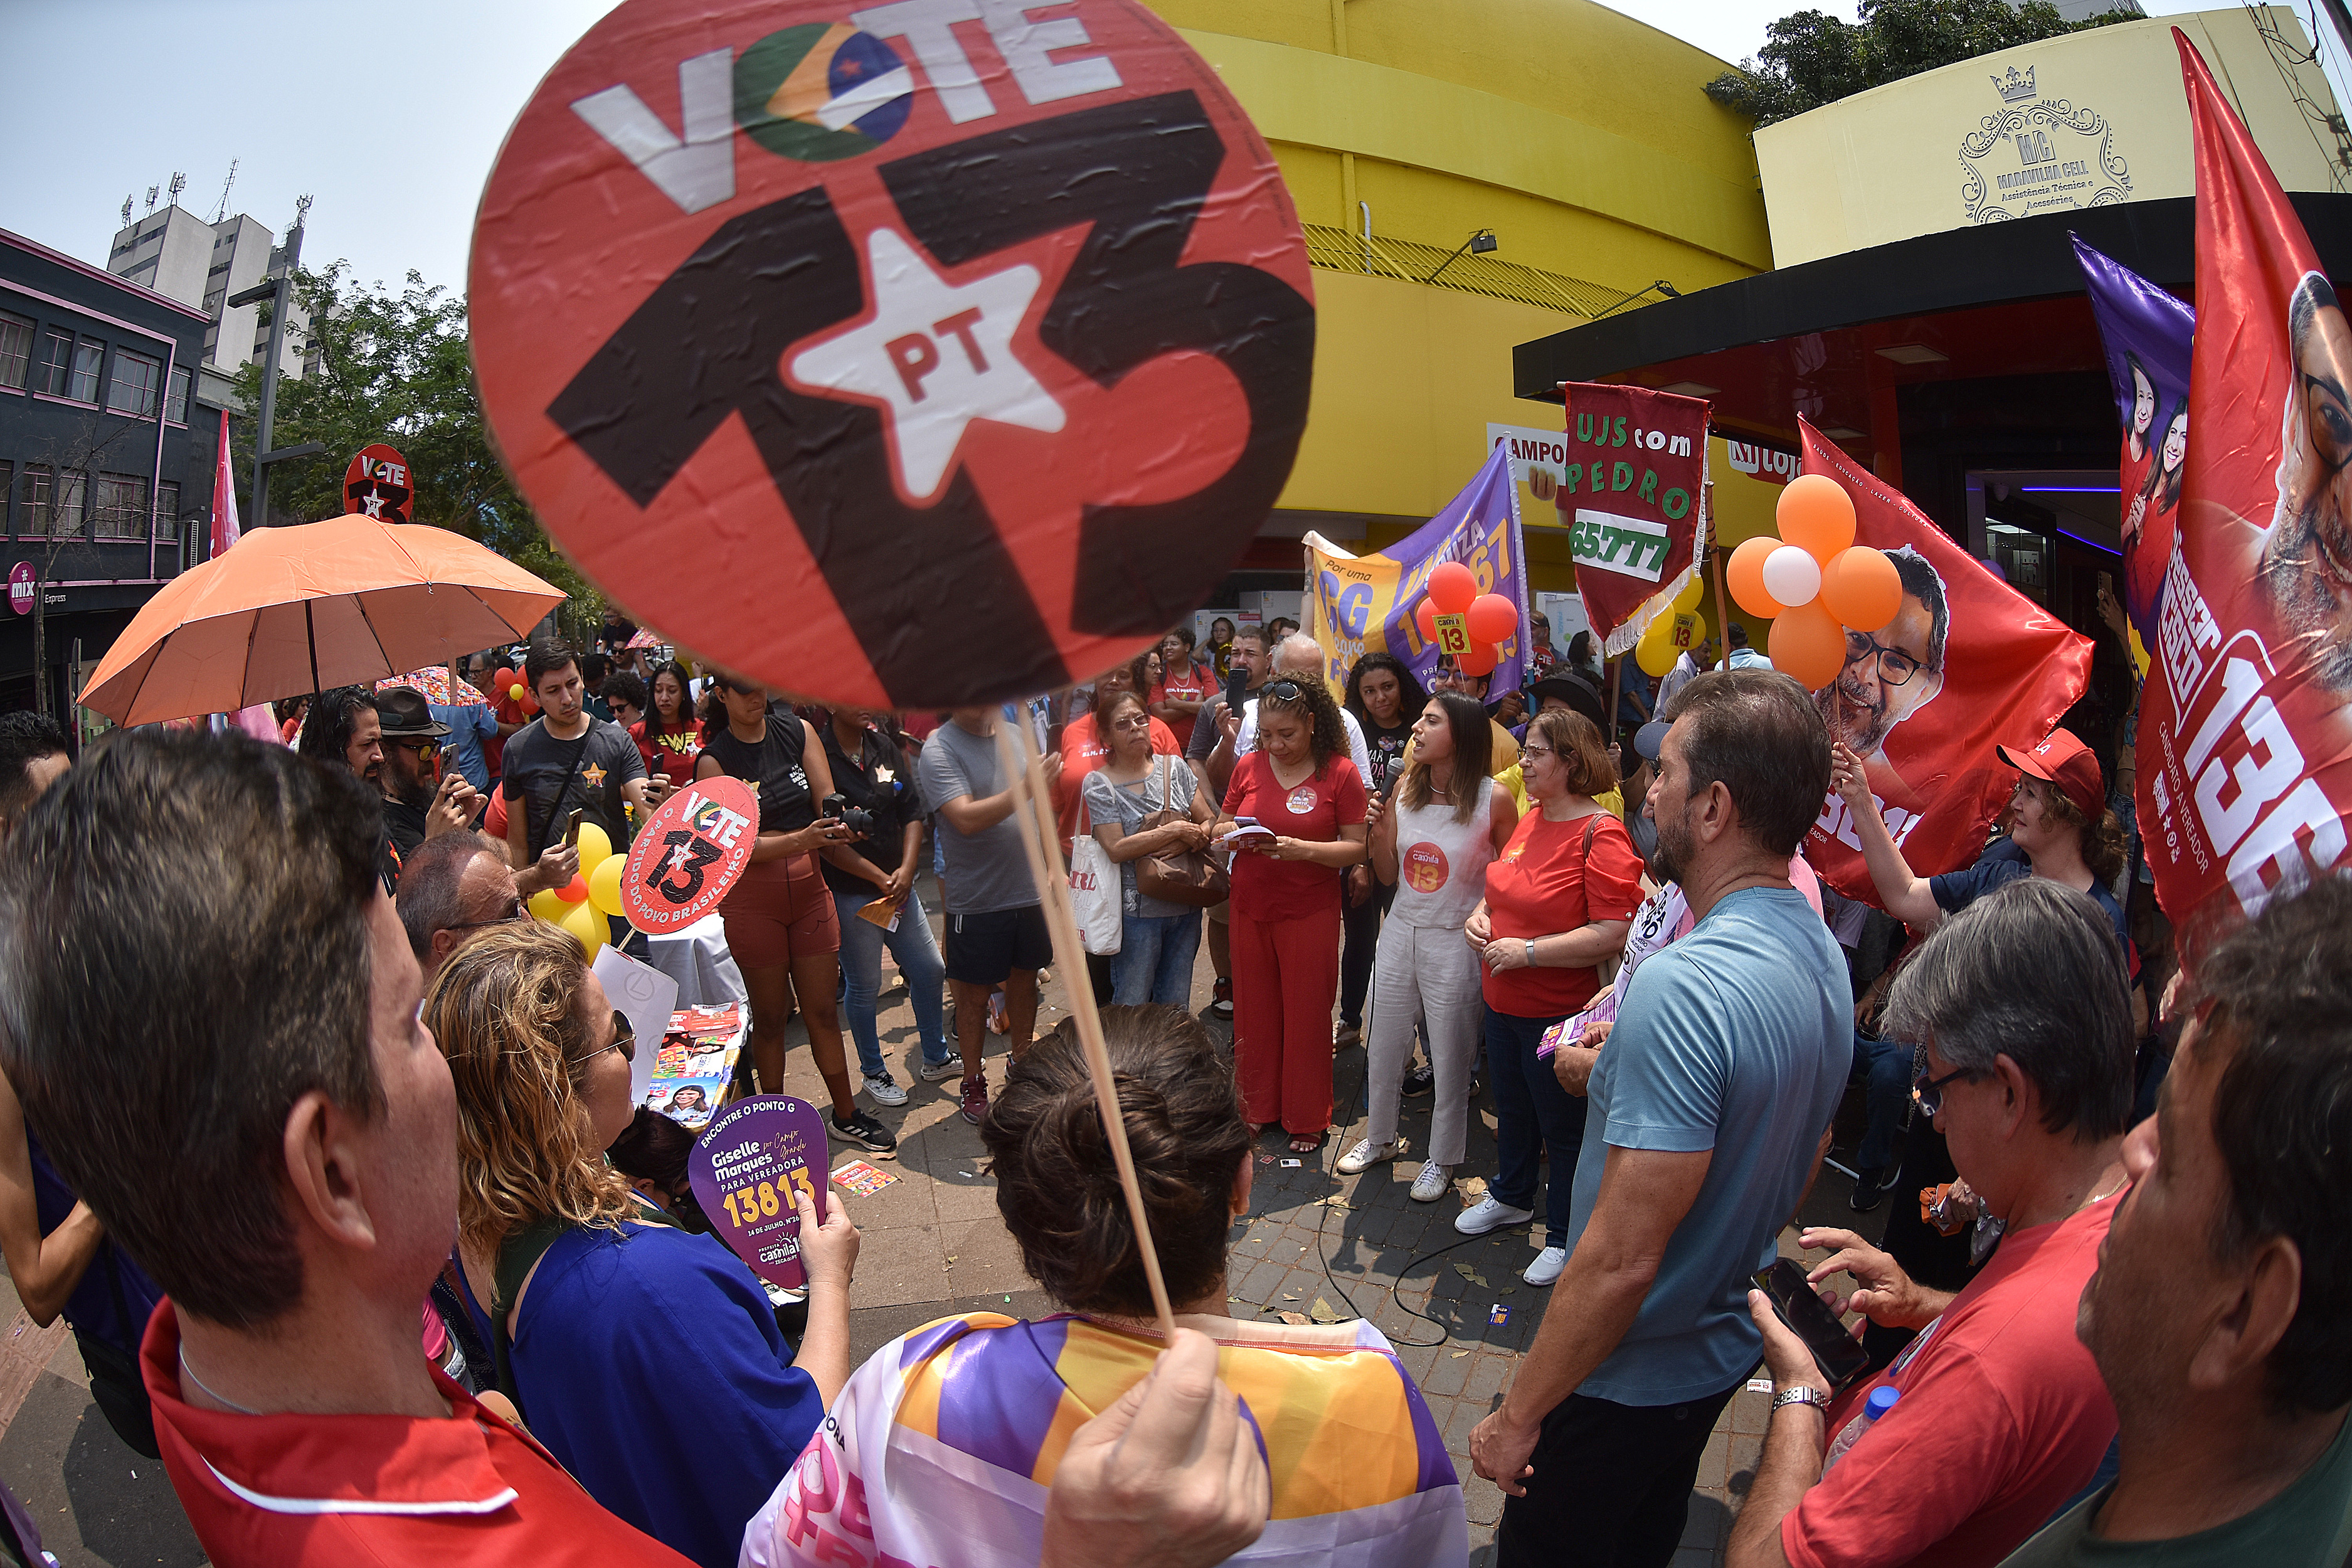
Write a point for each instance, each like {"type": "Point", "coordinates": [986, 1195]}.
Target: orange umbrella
{"type": "Point", "coordinates": [285, 611]}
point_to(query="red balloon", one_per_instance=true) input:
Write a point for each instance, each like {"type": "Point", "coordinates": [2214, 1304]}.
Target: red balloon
{"type": "Point", "coordinates": [1451, 588]}
{"type": "Point", "coordinates": [1425, 618]}
{"type": "Point", "coordinates": [1481, 660]}
{"type": "Point", "coordinates": [574, 890]}
{"type": "Point", "coordinates": [1493, 618]}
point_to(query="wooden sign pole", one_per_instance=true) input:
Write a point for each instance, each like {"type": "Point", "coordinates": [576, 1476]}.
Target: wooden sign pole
{"type": "Point", "coordinates": [1722, 600]}
{"type": "Point", "coordinates": [1041, 836]}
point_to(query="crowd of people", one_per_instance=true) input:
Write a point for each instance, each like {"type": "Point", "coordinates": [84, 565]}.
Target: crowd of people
{"type": "Point", "coordinates": [2107, 1336]}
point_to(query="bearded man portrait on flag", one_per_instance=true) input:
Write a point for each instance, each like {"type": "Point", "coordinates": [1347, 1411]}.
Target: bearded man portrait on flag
{"type": "Point", "coordinates": [2307, 564]}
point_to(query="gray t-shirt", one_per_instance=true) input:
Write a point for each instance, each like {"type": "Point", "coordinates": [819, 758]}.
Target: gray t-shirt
{"type": "Point", "coordinates": [1127, 805]}
{"type": "Point", "coordinates": [987, 870]}
{"type": "Point", "coordinates": [1738, 1039]}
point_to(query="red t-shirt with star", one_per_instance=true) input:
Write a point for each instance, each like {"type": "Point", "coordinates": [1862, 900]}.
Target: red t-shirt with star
{"type": "Point", "coordinates": [1265, 889]}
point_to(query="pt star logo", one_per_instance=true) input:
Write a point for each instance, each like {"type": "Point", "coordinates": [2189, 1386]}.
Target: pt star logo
{"type": "Point", "coordinates": [594, 775]}
{"type": "Point", "coordinates": [373, 505]}
{"type": "Point", "coordinates": [937, 356]}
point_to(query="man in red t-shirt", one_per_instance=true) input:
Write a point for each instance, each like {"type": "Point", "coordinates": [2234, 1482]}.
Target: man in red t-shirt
{"type": "Point", "coordinates": [2000, 1415]}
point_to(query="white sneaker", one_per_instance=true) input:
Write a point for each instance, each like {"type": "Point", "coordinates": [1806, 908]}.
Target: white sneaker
{"type": "Point", "coordinates": [1487, 1214]}
{"type": "Point", "coordinates": [885, 1091]}
{"type": "Point", "coordinates": [1433, 1183]}
{"type": "Point", "coordinates": [939, 1072]}
{"type": "Point", "coordinates": [1367, 1154]}
{"type": "Point", "coordinates": [1546, 1269]}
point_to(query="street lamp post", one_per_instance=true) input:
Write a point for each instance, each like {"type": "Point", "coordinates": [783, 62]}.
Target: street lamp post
{"type": "Point", "coordinates": [277, 290]}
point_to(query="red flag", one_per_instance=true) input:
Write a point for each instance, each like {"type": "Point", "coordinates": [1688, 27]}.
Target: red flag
{"type": "Point", "coordinates": [1634, 488]}
{"type": "Point", "coordinates": [225, 529]}
{"type": "Point", "coordinates": [1967, 663]}
{"type": "Point", "coordinates": [2245, 756]}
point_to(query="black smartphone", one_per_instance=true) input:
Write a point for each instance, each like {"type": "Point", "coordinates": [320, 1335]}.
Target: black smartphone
{"type": "Point", "coordinates": [1837, 1352]}
{"type": "Point", "coordinates": [1236, 683]}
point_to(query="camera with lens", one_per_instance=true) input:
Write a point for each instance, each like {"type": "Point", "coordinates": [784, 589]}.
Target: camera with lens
{"type": "Point", "coordinates": [858, 819]}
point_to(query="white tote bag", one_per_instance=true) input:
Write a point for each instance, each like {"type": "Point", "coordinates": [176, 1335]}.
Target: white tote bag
{"type": "Point", "coordinates": [1095, 893]}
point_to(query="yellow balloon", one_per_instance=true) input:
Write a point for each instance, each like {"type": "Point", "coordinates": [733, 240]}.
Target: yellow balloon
{"type": "Point", "coordinates": [515, 691]}
{"type": "Point", "coordinates": [605, 882]}
{"type": "Point", "coordinates": [548, 907]}
{"type": "Point", "coordinates": [595, 847]}
{"type": "Point", "coordinates": [582, 920]}
{"type": "Point", "coordinates": [1693, 592]}
{"type": "Point", "coordinates": [1656, 653]}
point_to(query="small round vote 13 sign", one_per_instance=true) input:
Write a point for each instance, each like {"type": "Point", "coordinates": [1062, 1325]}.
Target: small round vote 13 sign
{"type": "Point", "coordinates": [688, 854]}
{"type": "Point", "coordinates": [745, 1168]}
{"type": "Point", "coordinates": [830, 334]}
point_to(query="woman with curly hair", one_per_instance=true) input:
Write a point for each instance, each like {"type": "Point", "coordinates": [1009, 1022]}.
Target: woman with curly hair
{"type": "Point", "coordinates": [1302, 791]}
{"type": "Point", "coordinates": [647, 1360]}
{"type": "Point", "coordinates": [933, 1451]}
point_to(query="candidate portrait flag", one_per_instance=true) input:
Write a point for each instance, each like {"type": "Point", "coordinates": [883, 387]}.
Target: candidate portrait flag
{"type": "Point", "coordinates": [1632, 494]}
{"type": "Point", "coordinates": [1358, 604]}
{"type": "Point", "coordinates": [1967, 663]}
{"type": "Point", "coordinates": [2245, 755]}
{"type": "Point", "coordinates": [2146, 332]}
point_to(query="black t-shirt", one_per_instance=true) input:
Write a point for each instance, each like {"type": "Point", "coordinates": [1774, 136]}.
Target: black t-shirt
{"type": "Point", "coordinates": [879, 780]}
{"type": "Point", "coordinates": [1386, 750]}
{"type": "Point", "coordinates": [772, 769]}
{"type": "Point", "coordinates": [535, 768]}
{"type": "Point", "coordinates": [404, 824]}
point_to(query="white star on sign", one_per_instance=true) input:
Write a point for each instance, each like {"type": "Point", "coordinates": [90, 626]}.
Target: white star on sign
{"type": "Point", "coordinates": [937, 356]}
{"type": "Point", "coordinates": [373, 504]}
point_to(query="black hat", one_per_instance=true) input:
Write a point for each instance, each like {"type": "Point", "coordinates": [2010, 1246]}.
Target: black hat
{"type": "Point", "coordinates": [405, 714]}
{"type": "Point", "coordinates": [1577, 692]}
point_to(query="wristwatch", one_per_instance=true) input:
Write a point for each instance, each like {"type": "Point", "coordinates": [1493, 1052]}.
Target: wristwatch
{"type": "Point", "coordinates": [1531, 952]}
{"type": "Point", "coordinates": [1803, 1394]}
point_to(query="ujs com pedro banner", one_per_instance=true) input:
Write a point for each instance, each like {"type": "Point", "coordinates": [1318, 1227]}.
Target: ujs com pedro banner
{"type": "Point", "coordinates": [1364, 604]}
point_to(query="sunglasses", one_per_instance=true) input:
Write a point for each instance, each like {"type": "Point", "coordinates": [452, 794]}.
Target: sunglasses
{"type": "Point", "coordinates": [625, 1040]}
{"type": "Point", "coordinates": [1927, 1093]}
{"type": "Point", "coordinates": [1284, 690]}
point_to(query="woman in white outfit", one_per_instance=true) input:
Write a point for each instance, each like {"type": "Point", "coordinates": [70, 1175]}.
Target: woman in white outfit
{"type": "Point", "coordinates": [1445, 820]}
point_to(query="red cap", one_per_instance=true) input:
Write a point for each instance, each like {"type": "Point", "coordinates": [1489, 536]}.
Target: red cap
{"type": "Point", "coordinates": [2064, 761]}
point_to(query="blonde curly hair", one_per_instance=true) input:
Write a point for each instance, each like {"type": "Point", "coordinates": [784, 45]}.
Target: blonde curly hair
{"type": "Point", "coordinates": [507, 1011]}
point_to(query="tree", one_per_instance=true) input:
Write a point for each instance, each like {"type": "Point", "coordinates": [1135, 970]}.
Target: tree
{"type": "Point", "coordinates": [1810, 58]}
{"type": "Point", "coordinates": [394, 367]}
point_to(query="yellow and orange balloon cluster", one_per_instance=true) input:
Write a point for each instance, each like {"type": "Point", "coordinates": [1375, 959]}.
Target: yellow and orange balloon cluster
{"type": "Point", "coordinates": [1814, 582]}
{"type": "Point", "coordinates": [595, 892]}
{"type": "Point", "coordinates": [1675, 633]}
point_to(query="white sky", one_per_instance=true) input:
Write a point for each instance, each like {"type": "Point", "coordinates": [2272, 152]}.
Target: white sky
{"type": "Point", "coordinates": [390, 115]}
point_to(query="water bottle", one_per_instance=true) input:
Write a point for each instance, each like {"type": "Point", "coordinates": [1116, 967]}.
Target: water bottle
{"type": "Point", "coordinates": [1880, 1402]}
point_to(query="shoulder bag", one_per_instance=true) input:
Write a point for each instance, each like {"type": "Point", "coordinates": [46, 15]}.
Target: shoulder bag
{"type": "Point", "coordinates": [1188, 877]}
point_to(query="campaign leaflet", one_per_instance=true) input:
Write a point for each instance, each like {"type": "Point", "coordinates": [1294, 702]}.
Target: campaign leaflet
{"type": "Point", "coordinates": [694, 1065]}
{"type": "Point", "coordinates": [745, 1170]}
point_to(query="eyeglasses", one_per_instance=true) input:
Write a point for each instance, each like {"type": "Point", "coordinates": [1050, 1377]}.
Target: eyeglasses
{"type": "Point", "coordinates": [1927, 1093]}
{"type": "Point", "coordinates": [2330, 424]}
{"type": "Point", "coordinates": [1533, 751]}
{"type": "Point", "coordinates": [1895, 666]}
{"type": "Point", "coordinates": [519, 913]}
{"type": "Point", "coordinates": [625, 1040]}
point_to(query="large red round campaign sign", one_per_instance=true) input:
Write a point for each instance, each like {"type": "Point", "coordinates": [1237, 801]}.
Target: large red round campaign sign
{"type": "Point", "coordinates": [918, 354]}
{"type": "Point", "coordinates": [688, 854]}
{"type": "Point", "coordinates": [380, 483]}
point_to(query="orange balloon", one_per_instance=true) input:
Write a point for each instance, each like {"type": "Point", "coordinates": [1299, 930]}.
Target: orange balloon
{"type": "Point", "coordinates": [1493, 618]}
{"type": "Point", "coordinates": [1807, 644]}
{"type": "Point", "coordinates": [1816, 515]}
{"type": "Point", "coordinates": [1451, 588]}
{"type": "Point", "coordinates": [1481, 660]}
{"type": "Point", "coordinates": [1861, 588]}
{"type": "Point", "coordinates": [1743, 575]}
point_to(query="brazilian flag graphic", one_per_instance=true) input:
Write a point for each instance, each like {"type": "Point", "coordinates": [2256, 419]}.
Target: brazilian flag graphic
{"type": "Point", "coordinates": [819, 92]}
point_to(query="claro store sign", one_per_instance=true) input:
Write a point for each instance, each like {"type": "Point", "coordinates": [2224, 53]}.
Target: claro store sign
{"type": "Point", "coordinates": [2061, 125]}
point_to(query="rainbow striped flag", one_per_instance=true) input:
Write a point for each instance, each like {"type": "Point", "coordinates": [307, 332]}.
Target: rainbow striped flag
{"type": "Point", "coordinates": [941, 1447]}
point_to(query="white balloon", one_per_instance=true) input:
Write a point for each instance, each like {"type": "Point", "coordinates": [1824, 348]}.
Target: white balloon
{"type": "Point", "coordinates": [1791, 575]}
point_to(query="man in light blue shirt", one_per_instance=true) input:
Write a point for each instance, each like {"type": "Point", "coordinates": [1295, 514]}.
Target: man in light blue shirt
{"type": "Point", "coordinates": [469, 725]}
{"type": "Point", "coordinates": [1712, 1094]}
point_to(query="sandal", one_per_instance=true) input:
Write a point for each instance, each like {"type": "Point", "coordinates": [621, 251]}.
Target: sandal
{"type": "Point", "coordinates": [1305, 1143]}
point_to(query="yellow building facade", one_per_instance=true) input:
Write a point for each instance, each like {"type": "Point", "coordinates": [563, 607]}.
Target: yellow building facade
{"type": "Point", "coordinates": [1580, 138]}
